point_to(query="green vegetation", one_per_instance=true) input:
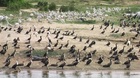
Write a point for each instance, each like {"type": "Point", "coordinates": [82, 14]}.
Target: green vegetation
{"type": "Point", "coordinates": [50, 53]}
{"type": "Point", "coordinates": [15, 5]}
{"type": "Point", "coordinates": [52, 6]}
{"type": "Point", "coordinates": [82, 22]}
{"type": "Point", "coordinates": [70, 5]}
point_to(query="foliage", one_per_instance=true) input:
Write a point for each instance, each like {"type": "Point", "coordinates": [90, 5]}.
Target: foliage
{"type": "Point", "coordinates": [15, 5]}
{"type": "Point", "coordinates": [42, 4]}
{"type": "Point", "coordinates": [50, 53]}
{"type": "Point", "coordinates": [82, 22]}
{"type": "Point", "coordinates": [70, 7]}
{"type": "Point", "coordinates": [64, 8]}
{"type": "Point", "coordinates": [52, 6]}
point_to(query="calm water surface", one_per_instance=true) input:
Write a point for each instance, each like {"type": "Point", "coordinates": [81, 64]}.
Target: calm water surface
{"type": "Point", "coordinates": [70, 74]}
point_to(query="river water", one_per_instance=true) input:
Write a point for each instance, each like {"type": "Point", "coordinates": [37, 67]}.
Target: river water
{"type": "Point", "coordinates": [70, 74]}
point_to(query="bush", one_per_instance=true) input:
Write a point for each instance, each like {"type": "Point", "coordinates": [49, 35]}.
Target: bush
{"type": "Point", "coordinates": [42, 4]}
{"type": "Point", "coordinates": [45, 8]}
{"type": "Point", "coordinates": [17, 5]}
{"type": "Point", "coordinates": [64, 8]}
{"type": "Point", "coordinates": [14, 6]}
{"type": "Point", "coordinates": [71, 8]}
{"type": "Point", "coordinates": [52, 6]}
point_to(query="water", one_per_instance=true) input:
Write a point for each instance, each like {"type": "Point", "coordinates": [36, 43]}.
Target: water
{"type": "Point", "coordinates": [70, 74]}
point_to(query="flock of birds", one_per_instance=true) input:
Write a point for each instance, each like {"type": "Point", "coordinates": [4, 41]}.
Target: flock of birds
{"type": "Point", "coordinates": [79, 55]}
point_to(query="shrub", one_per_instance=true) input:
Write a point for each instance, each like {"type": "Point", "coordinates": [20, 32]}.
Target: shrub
{"type": "Point", "coordinates": [52, 6]}
{"type": "Point", "coordinates": [71, 8]}
{"type": "Point", "coordinates": [42, 4]}
{"type": "Point", "coordinates": [17, 5]}
{"type": "Point", "coordinates": [13, 6]}
{"type": "Point", "coordinates": [64, 8]}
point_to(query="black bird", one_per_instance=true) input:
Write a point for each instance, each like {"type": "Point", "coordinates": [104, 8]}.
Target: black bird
{"type": "Point", "coordinates": [15, 65]}
{"type": "Point", "coordinates": [87, 41]}
{"type": "Point", "coordinates": [45, 54]}
{"type": "Point", "coordinates": [7, 63]}
{"type": "Point", "coordinates": [48, 29]}
{"type": "Point", "coordinates": [80, 39]}
{"type": "Point", "coordinates": [75, 37]}
{"type": "Point", "coordinates": [122, 50]}
{"type": "Point", "coordinates": [54, 32]}
{"type": "Point", "coordinates": [117, 30]}
{"type": "Point", "coordinates": [62, 65]}
{"type": "Point", "coordinates": [88, 61]}
{"type": "Point", "coordinates": [3, 51]}
{"type": "Point", "coordinates": [108, 43]}
{"type": "Point", "coordinates": [130, 49]}
{"type": "Point", "coordinates": [101, 27]}
{"type": "Point", "coordinates": [123, 34]}
{"type": "Point", "coordinates": [127, 63]}
{"type": "Point", "coordinates": [29, 64]}
{"type": "Point", "coordinates": [13, 54]}
{"type": "Point", "coordinates": [60, 46]}
{"type": "Point", "coordinates": [93, 52]}
{"type": "Point", "coordinates": [72, 49]}
{"type": "Point", "coordinates": [39, 39]}
{"type": "Point", "coordinates": [74, 63]}
{"type": "Point", "coordinates": [73, 32]}
{"type": "Point", "coordinates": [55, 45]}
{"type": "Point", "coordinates": [92, 43]}
{"type": "Point", "coordinates": [113, 30]}
{"type": "Point", "coordinates": [85, 47]}
{"type": "Point", "coordinates": [45, 61]}
{"type": "Point", "coordinates": [84, 58]}
{"type": "Point", "coordinates": [103, 32]}
{"type": "Point", "coordinates": [115, 47]}
{"type": "Point", "coordinates": [50, 41]}
{"type": "Point", "coordinates": [110, 52]}
{"type": "Point", "coordinates": [66, 45]}
{"type": "Point", "coordinates": [5, 45]}
{"type": "Point", "coordinates": [116, 59]}
{"type": "Point", "coordinates": [100, 59]}
{"type": "Point", "coordinates": [109, 64]}
{"type": "Point", "coordinates": [39, 32]}
{"type": "Point", "coordinates": [8, 58]}
{"type": "Point", "coordinates": [61, 38]}
{"type": "Point", "coordinates": [56, 36]}
{"type": "Point", "coordinates": [29, 38]}
{"type": "Point", "coordinates": [134, 57]}
{"type": "Point", "coordinates": [5, 28]}
{"type": "Point", "coordinates": [92, 28]}
{"type": "Point", "coordinates": [27, 32]}
{"type": "Point", "coordinates": [62, 57]}
{"type": "Point", "coordinates": [137, 35]}
{"type": "Point", "coordinates": [114, 54]}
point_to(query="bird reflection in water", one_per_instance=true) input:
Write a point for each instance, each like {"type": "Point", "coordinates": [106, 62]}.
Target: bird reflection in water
{"type": "Point", "coordinates": [45, 74]}
{"type": "Point", "coordinates": [76, 73]}
{"type": "Point", "coordinates": [61, 73]}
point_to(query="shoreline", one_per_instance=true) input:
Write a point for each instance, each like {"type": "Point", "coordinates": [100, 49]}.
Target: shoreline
{"type": "Point", "coordinates": [67, 69]}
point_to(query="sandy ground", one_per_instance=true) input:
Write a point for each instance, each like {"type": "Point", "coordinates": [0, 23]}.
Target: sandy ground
{"type": "Point", "coordinates": [82, 30]}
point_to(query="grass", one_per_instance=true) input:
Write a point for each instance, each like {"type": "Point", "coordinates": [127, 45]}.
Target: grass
{"type": "Point", "coordinates": [14, 19]}
{"type": "Point", "coordinates": [118, 35]}
{"type": "Point", "coordinates": [82, 6]}
{"type": "Point", "coordinates": [82, 22]}
{"type": "Point", "coordinates": [50, 53]}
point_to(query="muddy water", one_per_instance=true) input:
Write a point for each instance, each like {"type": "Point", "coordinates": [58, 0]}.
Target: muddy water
{"type": "Point", "coordinates": [70, 74]}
